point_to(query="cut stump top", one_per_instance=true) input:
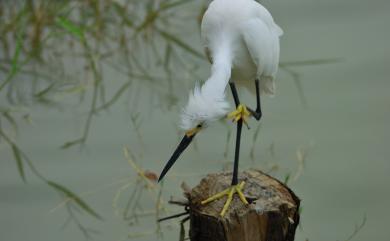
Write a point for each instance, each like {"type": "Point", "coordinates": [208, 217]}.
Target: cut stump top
{"type": "Point", "coordinates": [272, 213]}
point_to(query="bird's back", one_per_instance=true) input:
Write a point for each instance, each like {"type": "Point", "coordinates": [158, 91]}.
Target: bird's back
{"type": "Point", "coordinates": [248, 29]}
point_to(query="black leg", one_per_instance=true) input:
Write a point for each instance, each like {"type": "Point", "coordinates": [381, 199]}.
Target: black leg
{"type": "Point", "coordinates": [237, 153]}
{"type": "Point", "coordinates": [238, 137]}
{"type": "Point", "coordinates": [234, 92]}
{"type": "Point", "coordinates": [257, 114]}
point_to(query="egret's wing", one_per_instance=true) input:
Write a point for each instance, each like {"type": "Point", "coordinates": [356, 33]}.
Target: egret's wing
{"type": "Point", "coordinates": [278, 30]}
{"type": "Point", "coordinates": [262, 42]}
{"type": "Point", "coordinates": [262, 13]}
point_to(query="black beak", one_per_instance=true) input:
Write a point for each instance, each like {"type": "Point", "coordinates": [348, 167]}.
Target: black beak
{"type": "Point", "coordinates": [182, 146]}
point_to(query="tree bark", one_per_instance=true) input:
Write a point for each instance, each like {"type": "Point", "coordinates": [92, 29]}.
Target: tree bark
{"type": "Point", "coordinates": [272, 213]}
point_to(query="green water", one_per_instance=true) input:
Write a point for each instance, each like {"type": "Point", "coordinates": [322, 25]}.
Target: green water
{"type": "Point", "coordinates": [345, 129]}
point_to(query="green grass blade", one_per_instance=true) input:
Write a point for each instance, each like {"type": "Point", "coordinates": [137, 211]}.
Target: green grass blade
{"type": "Point", "coordinates": [182, 232]}
{"type": "Point", "coordinates": [117, 95]}
{"type": "Point", "coordinates": [121, 11]}
{"type": "Point", "coordinates": [11, 120]}
{"type": "Point", "coordinates": [70, 27]}
{"type": "Point", "coordinates": [19, 161]}
{"type": "Point", "coordinates": [69, 144]}
{"type": "Point", "coordinates": [169, 5]}
{"type": "Point", "coordinates": [310, 62]}
{"type": "Point", "coordinates": [83, 205]}
{"type": "Point", "coordinates": [15, 58]}
{"type": "Point", "coordinates": [46, 90]}
{"type": "Point", "coordinates": [171, 38]}
{"type": "Point", "coordinates": [287, 178]}
{"type": "Point", "coordinates": [15, 66]}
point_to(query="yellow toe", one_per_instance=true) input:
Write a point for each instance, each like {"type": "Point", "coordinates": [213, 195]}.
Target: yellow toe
{"type": "Point", "coordinates": [240, 113]}
{"type": "Point", "coordinates": [229, 192]}
{"type": "Point", "coordinates": [215, 197]}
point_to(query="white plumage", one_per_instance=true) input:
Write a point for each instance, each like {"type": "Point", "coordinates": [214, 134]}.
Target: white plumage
{"type": "Point", "coordinates": [242, 41]}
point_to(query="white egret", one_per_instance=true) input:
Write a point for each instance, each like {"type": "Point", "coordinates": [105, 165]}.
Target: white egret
{"type": "Point", "coordinates": [242, 42]}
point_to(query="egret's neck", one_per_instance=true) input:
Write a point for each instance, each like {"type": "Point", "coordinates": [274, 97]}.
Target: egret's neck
{"type": "Point", "coordinates": [220, 71]}
{"type": "Point", "coordinates": [208, 103]}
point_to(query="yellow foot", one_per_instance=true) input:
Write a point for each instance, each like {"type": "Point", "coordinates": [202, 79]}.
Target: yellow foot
{"type": "Point", "coordinates": [229, 192]}
{"type": "Point", "coordinates": [241, 113]}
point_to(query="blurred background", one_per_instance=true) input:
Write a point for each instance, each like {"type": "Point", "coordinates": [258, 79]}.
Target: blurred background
{"type": "Point", "coordinates": [90, 96]}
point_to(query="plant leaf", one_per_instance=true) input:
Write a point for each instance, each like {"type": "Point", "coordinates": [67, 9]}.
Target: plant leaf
{"type": "Point", "coordinates": [70, 27]}
{"type": "Point", "coordinates": [287, 178]}
{"type": "Point", "coordinates": [310, 62]}
{"type": "Point", "coordinates": [182, 232]}
{"type": "Point", "coordinates": [43, 92]}
{"type": "Point", "coordinates": [171, 38]}
{"type": "Point", "coordinates": [19, 161]}
{"type": "Point", "coordinates": [123, 14]}
{"type": "Point", "coordinates": [75, 198]}
{"type": "Point", "coordinates": [15, 66]}
{"type": "Point", "coordinates": [69, 144]}
{"type": "Point", "coordinates": [11, 120]}
{"type": "Point", "coordinates": [117, 95]}
{"type": "Point", "coordinates": [169, 5]}
{"type": "Point", "coordinates": [15, 58]}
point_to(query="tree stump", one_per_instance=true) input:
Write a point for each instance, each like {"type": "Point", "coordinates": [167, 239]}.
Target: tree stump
{"type": "Point", "coordinates": [272, 213]}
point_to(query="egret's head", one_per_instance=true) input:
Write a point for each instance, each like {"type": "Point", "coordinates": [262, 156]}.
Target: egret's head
{"type": "Point", "coordinates": [203, 107]}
